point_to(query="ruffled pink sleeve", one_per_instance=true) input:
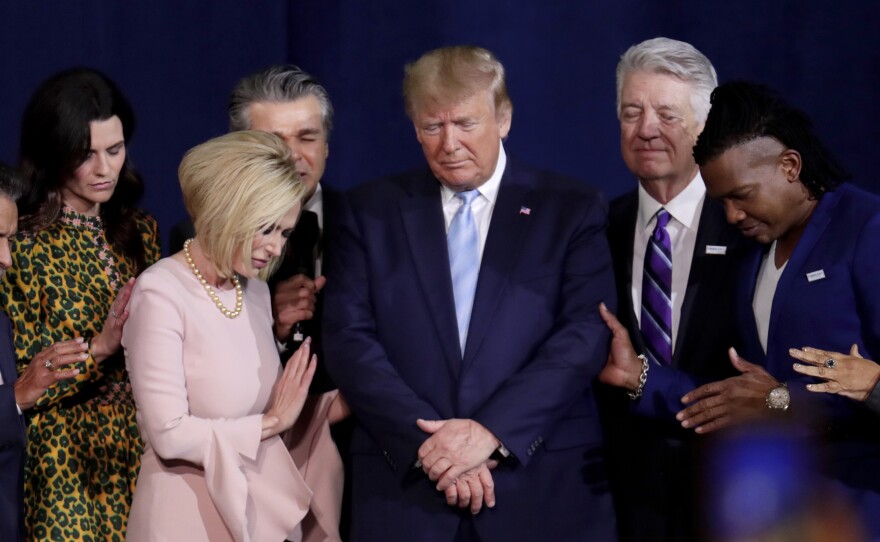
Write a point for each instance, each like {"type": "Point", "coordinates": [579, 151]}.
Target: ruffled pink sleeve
{"type": "Point", "coordinates": [317, 457]}
{"type": "Point", "coordinates": [254, 484]}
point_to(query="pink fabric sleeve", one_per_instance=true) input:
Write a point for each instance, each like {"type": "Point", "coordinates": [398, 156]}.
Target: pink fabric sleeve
{"type": "Point", "coordinates": [317, 458]}
{"type": "Point", "coordinates": [229, 450]}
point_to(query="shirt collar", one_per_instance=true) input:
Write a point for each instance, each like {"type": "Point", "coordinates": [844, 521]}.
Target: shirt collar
{"type": "Point", "coordinates": [488, 189]}
{"type": "Point", "coordinates": [683, 207]}
{"type": "Point", "coordinates": [314, 202]}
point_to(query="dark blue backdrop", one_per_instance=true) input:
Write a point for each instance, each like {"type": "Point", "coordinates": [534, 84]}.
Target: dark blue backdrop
{"type": "Point", "coordinates": [177, 62]}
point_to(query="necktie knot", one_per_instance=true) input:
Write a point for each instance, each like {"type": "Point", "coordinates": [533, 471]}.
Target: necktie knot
{"type": "Point", "coordinates": [467, 197]}
{"type": "Point", "coordinates": [663, 217]}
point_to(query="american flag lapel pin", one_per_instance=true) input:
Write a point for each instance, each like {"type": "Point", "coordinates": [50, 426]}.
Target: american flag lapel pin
{"type": "Point", "coordinates": [525, 210]}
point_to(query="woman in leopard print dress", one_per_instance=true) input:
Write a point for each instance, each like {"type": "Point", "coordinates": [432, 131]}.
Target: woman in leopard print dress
{"type": "Point", "coordinates": [80, 243]}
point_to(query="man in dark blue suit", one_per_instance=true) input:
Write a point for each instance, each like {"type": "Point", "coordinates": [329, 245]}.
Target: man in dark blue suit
{"type": "Point", "coordinates": [17, 394]}
{"type": "Point", "coordinates": [462, 326]}
{"type": "Point", "coordinates": [814, 281]}
{"type": "Point", "coordinates": [12, 432]}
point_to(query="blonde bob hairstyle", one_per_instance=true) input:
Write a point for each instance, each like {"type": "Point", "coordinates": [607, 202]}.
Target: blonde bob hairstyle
{"type": "Point", "coordinates": [451, 74]}
{"type": "Point", "coordinates": [234, 186]}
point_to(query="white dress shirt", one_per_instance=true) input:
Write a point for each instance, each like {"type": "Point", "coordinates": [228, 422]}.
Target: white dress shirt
{"type": "Point", "coordinates": [684, 210]}
{"type": "Point", "coordinates": [765, 290]}
{"type": "Point", "coordinates": [482, 206]}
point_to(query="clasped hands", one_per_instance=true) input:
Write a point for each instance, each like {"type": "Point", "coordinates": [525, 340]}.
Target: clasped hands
{"type": "Point", "coordinates": [294, 301]}
{"type": "Point", "coordinates": [456, 456]}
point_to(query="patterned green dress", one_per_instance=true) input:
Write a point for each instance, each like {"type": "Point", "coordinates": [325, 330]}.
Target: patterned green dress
{"type": "Point", "coordinates": [83, 443]}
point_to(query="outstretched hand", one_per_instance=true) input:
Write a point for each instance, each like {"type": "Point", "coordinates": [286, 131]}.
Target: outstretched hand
{"type": "Point", "coordinates": [623, 367]}
{"type": "Point", "coordinates": [46, 368]}
{"type": "Point", "coordinates": [290, 391]}
{"type": "Point", "coordinates": [733, 400]}
{"type": "Point", "coordinates": [849, 375]}
{"type": "Point", "coordinates": [107, 342]}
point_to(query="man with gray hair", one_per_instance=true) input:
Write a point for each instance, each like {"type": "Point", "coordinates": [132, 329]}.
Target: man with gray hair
{"type": "Point", "coordinates": [290, 103]}
{"type": "Point", "coordinates": [673, 253]}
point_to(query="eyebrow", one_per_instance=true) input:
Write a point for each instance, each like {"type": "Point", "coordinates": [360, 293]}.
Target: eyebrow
{"type": "Point", "coordinates": [118, 143]}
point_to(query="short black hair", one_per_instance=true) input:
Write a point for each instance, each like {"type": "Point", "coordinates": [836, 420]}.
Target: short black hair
{"type": "Point", "coordinates": [743, 111]}
{"type": "Point", "coordinates": [11, 183]}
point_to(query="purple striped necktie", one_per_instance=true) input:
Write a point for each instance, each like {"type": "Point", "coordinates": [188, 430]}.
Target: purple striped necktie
{"type": "Point", "coordinates": [656, 322]}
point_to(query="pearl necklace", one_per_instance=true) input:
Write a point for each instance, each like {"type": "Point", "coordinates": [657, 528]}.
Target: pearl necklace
{"type": "Point", "coordinates": [211, 293]}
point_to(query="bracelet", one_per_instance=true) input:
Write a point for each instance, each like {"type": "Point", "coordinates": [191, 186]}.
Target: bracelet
{"type": "Point", "coordinates": [642, 379]}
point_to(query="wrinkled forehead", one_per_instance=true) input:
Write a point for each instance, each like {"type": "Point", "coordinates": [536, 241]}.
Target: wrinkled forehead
{"type": "Point", "coordinates": [656, 89]}
{"type": "Point", "coordinates": [439, 103]}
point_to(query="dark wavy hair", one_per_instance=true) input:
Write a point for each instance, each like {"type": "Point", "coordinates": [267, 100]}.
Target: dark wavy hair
{"type": "Point", "coordinates": [743, 111]}
{"type": "Point", "coordinates": [11, 183]}
{"type": "Point", "coordinates": [55, 141]}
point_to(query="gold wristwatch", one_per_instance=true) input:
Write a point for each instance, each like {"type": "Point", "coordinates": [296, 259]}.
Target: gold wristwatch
{"type": "Point", "coordinates": [778, 398]}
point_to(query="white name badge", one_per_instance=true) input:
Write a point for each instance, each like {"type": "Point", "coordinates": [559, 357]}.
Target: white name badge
{"type": "Point", "coordinates": [716, 249]}
{"type": "Point", "coordinates": [816, 275]}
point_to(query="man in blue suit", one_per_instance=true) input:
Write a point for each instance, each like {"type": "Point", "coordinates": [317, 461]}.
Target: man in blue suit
{"type": "Point", "coordinates": [462, 326]}
{"type": "Point", "coordinates": [12, 431]}
{"type": "Point", "coordinates": [814, 282]}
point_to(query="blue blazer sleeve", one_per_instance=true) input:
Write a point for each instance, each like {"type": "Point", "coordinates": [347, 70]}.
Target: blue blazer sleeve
{"type": "Point", "coordinates": [355, 358]}
{"type": "Point", "coordinates": [530, 404]}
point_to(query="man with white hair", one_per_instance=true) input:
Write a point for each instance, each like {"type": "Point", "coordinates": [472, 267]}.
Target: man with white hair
{"type": "Point", "coordinates": [673, 254]}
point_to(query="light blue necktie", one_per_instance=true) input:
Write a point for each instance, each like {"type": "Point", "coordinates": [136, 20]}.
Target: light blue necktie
{"type": "Point", "coordinates": [464, 261]}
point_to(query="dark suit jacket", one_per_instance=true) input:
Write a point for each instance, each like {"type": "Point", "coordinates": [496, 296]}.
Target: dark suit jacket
{"type": "Point", "coordinates": [534, 346]}
{"type": "Point", "coordinates": [12, 443]}
{"type": "Point", "coordinates": [331, 201]}
{"type": "Point", "coordinates": [652, 457]}
{"type": "Point", "coordinates": [828, 297]}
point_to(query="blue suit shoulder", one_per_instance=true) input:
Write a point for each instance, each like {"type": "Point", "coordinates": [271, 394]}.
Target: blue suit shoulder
{"type": "Point", "coordinates": [855, 203]}
{"type": "Point", "coordinates": [420, 180]}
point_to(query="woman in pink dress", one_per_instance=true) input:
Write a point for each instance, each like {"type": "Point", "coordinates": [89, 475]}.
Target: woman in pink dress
{"type": "Point", "coordinates": [212, 399]}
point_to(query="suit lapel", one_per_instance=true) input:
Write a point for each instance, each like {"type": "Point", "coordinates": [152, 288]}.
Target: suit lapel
{"type": "Point", "coordinates": [423, 222]}
{"type": "Point", "coordinates": [7, 363]}
{"type": "Point", "coordinates": [745, 314]}
{"type": "Point", "coordinates": [795, 267]}
{"type": "Point", "coordinates": [625, 245]}
{"type": "Point", "coordinates": [506, 233]}
{"type": "Point", "coordinates": [710, 230]}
